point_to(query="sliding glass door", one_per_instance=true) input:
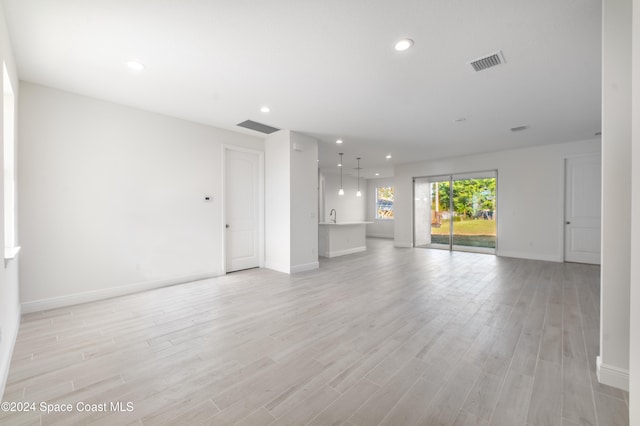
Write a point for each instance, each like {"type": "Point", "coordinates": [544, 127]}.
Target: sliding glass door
{"type": "Point", "coordinates": [431, 212]}
{"type": "Point", "coordinates": [456, 212]}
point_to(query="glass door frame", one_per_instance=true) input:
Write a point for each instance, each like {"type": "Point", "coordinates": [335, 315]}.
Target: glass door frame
{"type": "Point", "coordinates": [451, 178]}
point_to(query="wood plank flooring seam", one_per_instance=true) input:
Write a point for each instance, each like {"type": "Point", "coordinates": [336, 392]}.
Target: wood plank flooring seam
{"type": "Point", "coordinates": [509, 368]}
{"type": "Point", "coordinates": [593, 396]}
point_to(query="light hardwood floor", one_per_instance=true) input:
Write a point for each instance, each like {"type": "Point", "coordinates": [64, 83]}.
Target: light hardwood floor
{"type": "Point", "coordinates": [390, 336]}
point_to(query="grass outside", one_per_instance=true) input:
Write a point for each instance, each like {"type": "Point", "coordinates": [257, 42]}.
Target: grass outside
{"type": "Point", "coordinates": [467, 227]}
{"type": "Point", "coordinates": [474, 233]}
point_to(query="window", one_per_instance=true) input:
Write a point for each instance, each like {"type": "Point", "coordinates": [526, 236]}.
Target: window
{"type": "Point", "coordinates": [8, 123]}
{"type": "Point", "coordinates": [384, 202]}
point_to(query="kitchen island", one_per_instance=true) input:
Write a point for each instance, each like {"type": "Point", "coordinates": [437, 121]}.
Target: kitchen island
{"type": "Point", "coordinates": [341, 238]}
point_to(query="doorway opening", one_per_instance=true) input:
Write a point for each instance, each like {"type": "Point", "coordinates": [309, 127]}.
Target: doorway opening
{"type": "Point", "coordinates": [456, 212]}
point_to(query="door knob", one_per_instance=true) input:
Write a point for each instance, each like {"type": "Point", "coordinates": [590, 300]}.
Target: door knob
{"type": "Point", "coordinates": [226, 226]}
{"type": "Point", "coordinates": [567, 222]}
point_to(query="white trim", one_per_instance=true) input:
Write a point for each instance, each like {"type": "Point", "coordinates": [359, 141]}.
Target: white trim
{"type": "Point", "coordinates": [11, 252]}
{"type": "Point", "coordinates": [612, 376]}
{"type": "Point", "coordinates": [223, 208]}
{"type": "Point", "coordinates": [305, 267]}
{"type": "Point", "coordinates": [107, 293]}
{"type": "Point", "coordinates": [530, 256]}
{"type": "Point", "coordinates": [4, 368]}
{"type": "Point", "coordinates": [280, 268]}
{"type": "Point", "coordinates": [337, 253]}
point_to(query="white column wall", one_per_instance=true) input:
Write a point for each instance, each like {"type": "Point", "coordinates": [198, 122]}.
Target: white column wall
{"type": "Point", "coordinates": [291, 202]}
{"type": "Point", "coordinates": [634, 320]}
{"type": "Point", "coordinates": [304, 202]}
{"type": "Point", "coordinates": [277, 201]}
{"type": "Point", "coordinates": [9, 292]}
{"type": "Point", "coordinates": [613, 362]}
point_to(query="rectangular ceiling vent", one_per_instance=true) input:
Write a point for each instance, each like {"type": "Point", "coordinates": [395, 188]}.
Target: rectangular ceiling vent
{"type": "Point", "coordinates": [258, 127]}
{"type": "Point", "coordinates": [489, 61]}
{"type": "Point", "coordinates": [519, 128]}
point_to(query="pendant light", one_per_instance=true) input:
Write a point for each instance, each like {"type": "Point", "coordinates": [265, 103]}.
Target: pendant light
{"type": "Point", "coordinates": [341, 192]}
{"type": "Point", "coordinates": [358, 194]}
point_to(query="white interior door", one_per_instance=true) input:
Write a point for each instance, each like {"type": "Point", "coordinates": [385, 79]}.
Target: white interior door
{"type": "Point", "coordinates": [582, 209]}
{"type": "Point", "coordinates": [242, 196]}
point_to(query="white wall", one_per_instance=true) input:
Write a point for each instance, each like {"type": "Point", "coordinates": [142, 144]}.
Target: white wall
{"type": "Point", "coordinates": [530, 207]}
{"type": "Point", "coordinates": [277, 201]}
{"type": "Point", "coordinates": [381, 228]}
{"type": "Point", "coordinates": [634, 320]}
{"type": "Point", "coordinates": [112, 197]}
{"type": "Point", "coordinates": [304, 203]}
{"type": "Point", "coordinates": [9, 297]}
{"type": "Point", "coordinates": [348, 206]}
{"type": "Point", "coordinates": [613, 362]}
{"type": "Point", "coordinates": [291, 217]}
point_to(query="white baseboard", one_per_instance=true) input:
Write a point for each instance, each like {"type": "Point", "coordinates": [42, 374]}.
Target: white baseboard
{"type": "Point", "coordinates": [107, 293]}
{"type": "Point", "coordinates": [305, 267]}
{"type": "Point", "coordinates": [612, 376]}
{"type": "Point", "coordinates": [337, 253]}
{"type": "Point", "coordinates": [530, 256]}
{"type": "Point", "coordinates": [4, 368]}
{"type": "Point", "coordinates": [277, 267]}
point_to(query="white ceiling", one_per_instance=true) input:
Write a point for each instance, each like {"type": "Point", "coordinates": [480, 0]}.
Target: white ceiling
{"type": "Point", "coordinates": [328, 68]}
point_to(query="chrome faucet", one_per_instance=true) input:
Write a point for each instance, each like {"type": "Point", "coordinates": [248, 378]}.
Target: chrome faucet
{"type": "Point", "coordinates": [335, 215]}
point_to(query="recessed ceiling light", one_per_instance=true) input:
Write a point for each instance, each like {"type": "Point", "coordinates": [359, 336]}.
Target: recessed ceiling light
{"type": "Point", "coordinates": [265, 109]}
{"type": "Point", "coordinates": [339, 141]}
{"type": "Point", "coordinates": [388, 156]}
{"type": "Point", "coordinates": [377, 174]}
{"type": "Point", "coordinates": [403, 44]}
{"type": "Point", "coordinates": [135, 65]}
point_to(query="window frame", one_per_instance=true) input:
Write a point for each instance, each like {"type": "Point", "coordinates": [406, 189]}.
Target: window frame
{"type": "Point", "coordinates": [11, 247]}
{"type": "Point", "coordinates": [377, 203]}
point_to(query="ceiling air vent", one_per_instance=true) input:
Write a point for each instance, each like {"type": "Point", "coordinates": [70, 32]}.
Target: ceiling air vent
{"type": "Point", "coordinates": [258, 127]}
{"type": "Point", "coordinates": [519, 128]}
{"type": "Point", "coordinates": [488, 61]}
